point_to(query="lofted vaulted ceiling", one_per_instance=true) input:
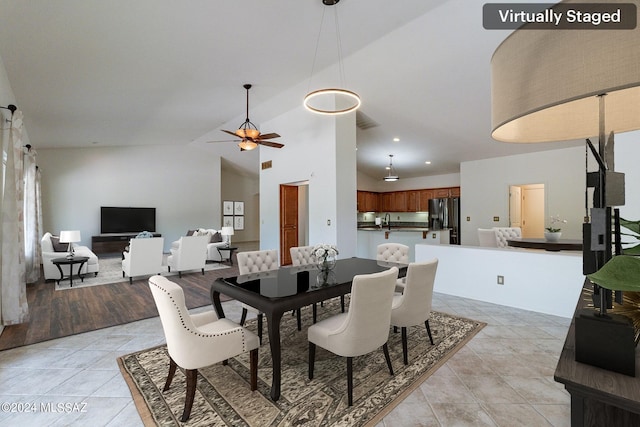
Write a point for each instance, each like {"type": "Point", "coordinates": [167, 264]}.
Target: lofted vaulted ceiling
{"type": "Point", "coordinates": [137, 72]}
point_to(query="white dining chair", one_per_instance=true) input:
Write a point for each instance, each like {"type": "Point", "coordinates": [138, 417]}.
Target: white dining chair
{"type": "Point", "coordinates": [363, 328]}
{"type": "Point", "coordinates": [255, 262]}
{"type": "Point", "coordinates": [198, 340]}
{"type": "Point", "coordinates": [394, 252]}
{"type": "Point", "coordinates": [413, 306]}
{"type": "Point", "coordinates": [487, 238]}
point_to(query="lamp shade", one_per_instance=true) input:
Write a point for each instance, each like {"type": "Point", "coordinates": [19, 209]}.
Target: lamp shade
{"type": "Point", "coordinates": [227, 231]}
{"type": "Point", "coordinates": [70, 236]}
{"type": "Point", "coordinates": [545, 83]}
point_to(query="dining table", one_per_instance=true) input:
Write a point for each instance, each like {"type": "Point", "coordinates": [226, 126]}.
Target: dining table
{"type": "Point", "coordinates": [288, 288]}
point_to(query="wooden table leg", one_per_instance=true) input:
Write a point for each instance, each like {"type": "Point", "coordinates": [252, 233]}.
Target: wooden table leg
{"type": "Point", "coordinates": [273, 324]}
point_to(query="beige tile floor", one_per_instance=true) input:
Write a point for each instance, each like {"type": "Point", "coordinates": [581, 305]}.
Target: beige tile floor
{"type": "Point", "coordinates": [502, 377]}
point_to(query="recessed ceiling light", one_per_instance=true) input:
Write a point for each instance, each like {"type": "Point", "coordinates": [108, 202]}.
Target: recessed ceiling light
{"type": "Point", "coordinates": [396, 139]}
{"type": "Point", "coordinates": [427, 162]}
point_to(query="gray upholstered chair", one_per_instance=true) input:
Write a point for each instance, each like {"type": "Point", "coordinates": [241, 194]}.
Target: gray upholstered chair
{"type": "Point", "coordinates": [191, 254]}
{"type": "Point", "coordinates": [143, 258]}
{"type": "Point", "coordinates": [394, 252]}
{"type": "Point", "coordinates": [255, 262]}
{"type": "Point", "coordinates": [363, 328]}
{"type": "Point", "coordinates": [413, 306]}
{"type": "Point", "coordinates": [505, 233]}
{"type": "Point", "coordinates": [198, 340]}
{"type": "Point", "coordinates": [487, 238]}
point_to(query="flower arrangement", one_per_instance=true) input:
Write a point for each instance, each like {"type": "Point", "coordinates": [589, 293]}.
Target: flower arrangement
{"type": "Point", "coordinates": [324, 251]}
{"type": "Point", "coordinates": [555, 220]}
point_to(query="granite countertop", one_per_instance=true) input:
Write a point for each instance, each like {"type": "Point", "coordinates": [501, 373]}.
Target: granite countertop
{"type": "Point", "coordinates": [393, 228]}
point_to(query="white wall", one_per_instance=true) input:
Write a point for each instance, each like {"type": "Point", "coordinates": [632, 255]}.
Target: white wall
{"type": "Point", "coordinates": [485, 189]}
{"type": "Point", "coordinates": [321, 150]}
{"type": "Point", "coordinates": [367, 183]}
{"type": "Point", "coordinates": [245, 189]}
{"type": "Point", "coordinates": [627, 154]}
{"type": "Point", "coordinates": [181, 182]}
{"type": "Point", "coordinates": [546, 282]}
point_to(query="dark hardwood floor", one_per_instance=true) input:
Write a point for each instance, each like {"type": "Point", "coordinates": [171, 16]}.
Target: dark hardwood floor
{"type": "Point", "coordinates": [55, 314]}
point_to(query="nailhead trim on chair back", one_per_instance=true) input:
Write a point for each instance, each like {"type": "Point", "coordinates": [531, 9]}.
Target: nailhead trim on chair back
{"type": "Point", "coordinates": [393, 252]}
{"type": "Point", "coordinates": [255, 261]}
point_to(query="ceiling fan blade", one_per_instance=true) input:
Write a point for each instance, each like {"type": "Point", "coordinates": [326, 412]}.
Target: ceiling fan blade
{"type": "Point", "coordinates": [226, 140]}
{"type": "Point", "coordinates": [270, 144]}
{"type": "Point", "coordinates": [230, 133]}
{"type": "Point", "coordinates": [268, 136]}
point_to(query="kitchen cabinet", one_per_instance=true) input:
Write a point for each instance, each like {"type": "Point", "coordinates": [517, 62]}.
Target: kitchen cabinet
{"type": "Point", "coordinates": [403, 201]}
{"type": "Point", "coordinates": [367, 201]}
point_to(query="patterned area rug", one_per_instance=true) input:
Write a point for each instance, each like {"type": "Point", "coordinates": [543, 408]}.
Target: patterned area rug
{"type": "Point", "coordinates": [223, 397]}
{"type": "Point", "coordinates": [111, 272]}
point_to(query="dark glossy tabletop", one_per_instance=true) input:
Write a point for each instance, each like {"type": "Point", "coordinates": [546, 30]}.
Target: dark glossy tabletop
{"type": "Point", "coordinates": [289, 280]}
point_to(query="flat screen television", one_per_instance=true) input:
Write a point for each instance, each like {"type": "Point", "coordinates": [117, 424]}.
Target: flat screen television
{"type": "Point", "coordinates": [127, 220]}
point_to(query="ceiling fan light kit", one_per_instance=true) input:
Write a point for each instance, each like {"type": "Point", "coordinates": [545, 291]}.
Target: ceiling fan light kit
{"type": "Point", "coordinates": [331, 101]}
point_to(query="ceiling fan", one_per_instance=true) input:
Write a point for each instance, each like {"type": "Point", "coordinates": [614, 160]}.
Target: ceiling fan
{"type": "Point", "coordinates": [250, 136]}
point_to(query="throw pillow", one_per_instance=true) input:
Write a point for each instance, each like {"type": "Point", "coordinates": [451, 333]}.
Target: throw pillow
{"type": "Point", "coordinates": [216, 237]}
{"type": "Point", "coordinates": [191, 232]}
{"type": "Point", "coordinates": [57, 246]}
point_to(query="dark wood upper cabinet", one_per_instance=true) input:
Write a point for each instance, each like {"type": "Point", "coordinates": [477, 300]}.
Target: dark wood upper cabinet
{"type": "Point", "coordinates": [402, 201]}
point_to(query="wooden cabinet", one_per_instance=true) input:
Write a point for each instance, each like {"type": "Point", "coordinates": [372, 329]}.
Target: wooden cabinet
{"type": "Point", "coordinates": [402, 201]}
{"type": "Point", "coordinates": [423, 203]}
{"type": "Point", "coordinates": [367, 201]}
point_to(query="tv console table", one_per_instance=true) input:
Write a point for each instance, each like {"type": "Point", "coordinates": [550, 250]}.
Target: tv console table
{"type": "Point", "coordinates": [109, 243]}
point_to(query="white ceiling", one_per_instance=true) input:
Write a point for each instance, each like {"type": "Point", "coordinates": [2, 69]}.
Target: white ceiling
{"type": "Point", "coordinates": [135, 72]}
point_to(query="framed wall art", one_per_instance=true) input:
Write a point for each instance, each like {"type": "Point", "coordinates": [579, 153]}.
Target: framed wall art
{"type": "Point", "coordinates": [238, 223]}
{"type": "Point", "coordinates": [227, 208]}
{"type": "Point", "coordinates": [227, 221]}
{"type": "Point", "coordinates": [238, 208]}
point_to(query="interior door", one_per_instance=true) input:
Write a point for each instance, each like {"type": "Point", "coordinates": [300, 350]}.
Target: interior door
{"type": "Point", "coordinates": [515, 206]}
{"type": "Point", "coordinates": [288, 221]}
{"type": "Point", "coordinates": [533, 210]}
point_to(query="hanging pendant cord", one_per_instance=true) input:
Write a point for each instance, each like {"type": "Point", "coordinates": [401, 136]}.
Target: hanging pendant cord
{"type": "Point", "coordinates": [315, 54]}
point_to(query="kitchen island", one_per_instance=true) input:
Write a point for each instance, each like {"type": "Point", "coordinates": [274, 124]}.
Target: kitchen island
{"type": "Point", "coordinates": [370, 237]}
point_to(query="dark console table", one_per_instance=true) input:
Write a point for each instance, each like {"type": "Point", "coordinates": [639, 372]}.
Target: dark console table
{"type": "Point", "coordinates": [110, 243]}
{"type": "Point", "coordinates": [598, 397]}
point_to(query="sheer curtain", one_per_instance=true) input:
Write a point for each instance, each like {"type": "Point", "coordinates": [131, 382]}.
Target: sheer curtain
{"type": "Point", "coordinates": [14, 292]}
{"type": "Point", "coordinates": [32, 217]}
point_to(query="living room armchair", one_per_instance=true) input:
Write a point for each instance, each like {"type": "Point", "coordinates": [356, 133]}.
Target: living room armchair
{"type": "Point", "coordinates": [144, 257]}
{"type": "Point", "coordinates": [190, 254]}
{"type": "Point", "coordinates": [215, 242]}
{"type": "Point", "coordinates": [52, 248]}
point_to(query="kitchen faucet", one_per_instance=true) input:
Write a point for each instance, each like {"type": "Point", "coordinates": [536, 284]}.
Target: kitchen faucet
{"type": "Point", "coordinates": [387, 220]}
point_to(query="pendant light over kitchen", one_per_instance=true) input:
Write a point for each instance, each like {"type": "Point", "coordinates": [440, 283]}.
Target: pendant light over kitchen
{"type": "Point", "coordinates": [392, 175]}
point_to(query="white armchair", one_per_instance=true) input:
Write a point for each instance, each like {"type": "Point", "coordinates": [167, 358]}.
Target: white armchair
{"type": "Point", "coordinates": [144, 257]}
{"type": "Point", "coordinates": [363, 328]}
{"type": "Point", "coordinates": [191, 254]}
{"type": "Point", "coordinates": [199, 340]}
{"type": "Point", "coordinates": [413, 307]}
{"type": "Point", "coordinates": [49, 252]}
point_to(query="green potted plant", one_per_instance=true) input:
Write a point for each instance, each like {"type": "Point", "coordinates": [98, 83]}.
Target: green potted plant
{"type": "Point", "coordinates": [553, 232]}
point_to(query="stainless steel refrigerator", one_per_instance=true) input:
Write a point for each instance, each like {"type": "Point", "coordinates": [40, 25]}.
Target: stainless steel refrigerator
{"type": "Point", "coordinates": [445, 213]}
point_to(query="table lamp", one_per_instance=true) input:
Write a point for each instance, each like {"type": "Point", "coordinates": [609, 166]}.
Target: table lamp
{"type": "Point", "coordinates": [227, 232]}
{"type": "Point", "coordinates": [70, 237]}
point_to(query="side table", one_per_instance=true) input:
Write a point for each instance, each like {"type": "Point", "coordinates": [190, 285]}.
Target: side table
{"type": "Point", "coordinates": [229, 256]}
{"type": "Point", "coordinates": [58, 262]}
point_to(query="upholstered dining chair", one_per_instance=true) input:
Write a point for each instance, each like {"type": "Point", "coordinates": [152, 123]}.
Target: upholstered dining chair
{"type": "Point", "coordinates": [487, 238]}
{"type": "Point", "coordinates": [190, 254]}
{"type": "Point", "coordinates": [413, 306]}
{"type": "Point", "coordinates": [505, 233]}
{"type": "Point", "coordinates": [394, 252]}
{"type": "Point", "coordinates": [255, 262]}
{"type": "Point", "coordinates": [144, 257]}
{"type": "Point", "coordinates": [363, 328]}
{"type": "Point", "coordinates": [302, 255]}
{"type": "Point", "coordinates": [198, 340]}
